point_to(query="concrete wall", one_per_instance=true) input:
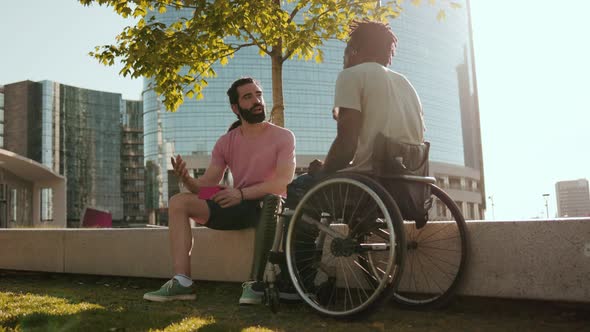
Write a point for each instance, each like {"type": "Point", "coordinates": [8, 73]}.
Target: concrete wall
{"type": "Point", "coordinates": [530, 259]}
{"type": "Point", "coordinates": [140, 252]}
{"type": "Point", "coordinates": [32, 249]}
{"type": "Point", "coordinates": [545, 259]}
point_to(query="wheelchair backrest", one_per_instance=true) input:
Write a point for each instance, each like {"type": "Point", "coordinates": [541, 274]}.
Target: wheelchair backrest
{"type": "Point", "coordinates": [394, 158]}
{"type": "Point", "coordinates": [391, 159]}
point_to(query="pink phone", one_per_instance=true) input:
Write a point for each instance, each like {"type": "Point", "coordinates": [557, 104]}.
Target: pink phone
{"type": "Point", "coordinates": [208, 192]}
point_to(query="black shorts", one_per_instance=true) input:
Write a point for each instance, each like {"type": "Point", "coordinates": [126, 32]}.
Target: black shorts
{"type": "Point", "coordinates": [243, 215]}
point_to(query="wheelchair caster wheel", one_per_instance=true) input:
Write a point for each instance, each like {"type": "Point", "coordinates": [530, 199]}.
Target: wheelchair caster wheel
{"type": "Point", "coordinates": [271, 298]}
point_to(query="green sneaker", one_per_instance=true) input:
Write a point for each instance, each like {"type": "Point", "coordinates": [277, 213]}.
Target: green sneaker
{"type": "Point", "coordinates": [170, 291]}
{"type": "Point", "coordinates": [252, 292]}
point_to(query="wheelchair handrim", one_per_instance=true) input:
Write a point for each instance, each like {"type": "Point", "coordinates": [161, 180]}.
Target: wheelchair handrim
{"type": "Point", "coordinates": [383, 283]}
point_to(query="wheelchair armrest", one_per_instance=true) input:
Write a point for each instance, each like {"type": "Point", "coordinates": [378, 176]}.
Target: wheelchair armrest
{"type": "Point", "coordinates": [413, 178]}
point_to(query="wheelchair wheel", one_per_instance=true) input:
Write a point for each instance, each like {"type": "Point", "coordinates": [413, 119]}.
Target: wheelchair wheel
{"type": "Point", "coordinates": [435, 256]}
{"type": "Point", "coordinates": [339, 221]}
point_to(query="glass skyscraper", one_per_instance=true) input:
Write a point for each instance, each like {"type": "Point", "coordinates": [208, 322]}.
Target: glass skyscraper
{"type": "Point", "coordinates": [1, 117]}
{"type": "Point", "coordinates": [132, 168]}
{"type": "Point", "coordinates": [82, 139]}
{"type": "Point", "coordinates": [436, 56]}
{"type": "Point", "coordinates": [83, 135]}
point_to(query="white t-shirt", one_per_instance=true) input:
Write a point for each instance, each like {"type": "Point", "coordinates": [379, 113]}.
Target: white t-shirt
{"type": "Point", "coordinates": [389, 103]}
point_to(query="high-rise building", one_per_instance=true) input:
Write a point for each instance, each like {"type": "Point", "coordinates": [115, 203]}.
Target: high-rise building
{"type": "Point", "coordinates": [132, 168]}
{"type": "Point", "coordinates": [77, 133]}
{"type": "Point", "coordinates": [573, 198]}
{"type": "Point", "coordinates": [436, 56]}
{"type": "Point", "coordinates": [1, 116]}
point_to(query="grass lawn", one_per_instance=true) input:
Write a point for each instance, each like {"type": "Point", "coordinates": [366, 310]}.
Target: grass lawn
{"type": "Point", "coordinates": [65, 302]}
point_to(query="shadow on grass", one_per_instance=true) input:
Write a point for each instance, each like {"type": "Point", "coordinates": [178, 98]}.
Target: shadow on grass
{"type": "Point", "coordinates": [47, 312]}
{"type": "Point", "coordinates": [63, 302]}
{"type": "Point", "coordinates": [34, 310]}
{"type": "Point", "coordinates": [51, 302]}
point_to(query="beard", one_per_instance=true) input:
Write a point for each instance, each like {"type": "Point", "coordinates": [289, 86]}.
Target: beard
{"type": "Point", "coordinates": [249, 116]}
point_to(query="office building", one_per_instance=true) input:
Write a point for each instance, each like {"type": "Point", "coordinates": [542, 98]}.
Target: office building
{"type": "Point", "coordinates": [436, 56]}
{"type": "Point", "coordinates": [23, 183]}
{"type": "Point", "coordinates": [76, 133]}
{"type": "Point", "coordinates": [573, 198]}
{"type": "Point", "coordinates": [1, 117]}
{"type": "Point", "coordinates": [132, 168]}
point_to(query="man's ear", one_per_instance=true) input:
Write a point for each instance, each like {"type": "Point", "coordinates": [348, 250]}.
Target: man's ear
{"type": "Point", "coordinates": [234, 109]}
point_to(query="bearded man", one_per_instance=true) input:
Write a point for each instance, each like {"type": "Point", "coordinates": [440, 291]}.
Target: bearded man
{"type": "Point", "coordinates": [261, 158]}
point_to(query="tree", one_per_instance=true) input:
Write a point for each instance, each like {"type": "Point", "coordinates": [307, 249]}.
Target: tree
{"type": "Point", "coordinates": [179, 57]}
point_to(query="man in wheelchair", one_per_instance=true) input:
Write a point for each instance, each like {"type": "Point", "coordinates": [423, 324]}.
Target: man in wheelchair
{"type": "Point", "coordinates": [261, 157]}
{"type": "Point", "coordinates": [380, 133]}
{"type": "Point", "coordinates": [380, 127]}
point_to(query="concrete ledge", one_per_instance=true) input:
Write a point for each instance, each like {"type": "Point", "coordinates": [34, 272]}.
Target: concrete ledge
{"type": "Point", "coordinates": [216, 255]}
{"type": "Point", "coordinates": [140, 252]}
{"type": "Point", "coordinates": [541, 259]}
{"type": "Point", "coordinates": [129, 252]}
{"type": "Point", "coordinates": [32, 249]}
{"type": "Point", "coordinates": [222, 255]}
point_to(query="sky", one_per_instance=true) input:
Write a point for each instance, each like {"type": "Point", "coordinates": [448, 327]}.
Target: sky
{"type": "Point", "coordinates": [532, 63]}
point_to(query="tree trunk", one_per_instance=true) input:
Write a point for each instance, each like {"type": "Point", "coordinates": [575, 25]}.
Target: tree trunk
{"type": "Point", "coordinates": [277, 115]}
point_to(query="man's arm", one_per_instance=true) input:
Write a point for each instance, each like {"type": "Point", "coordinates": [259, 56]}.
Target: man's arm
{"type": "Point", "coordinates": [344, 146]}
{"type": "Point", "coordinates": [277, 185]}
{"type": "Point", "coordinates": [212, 176]}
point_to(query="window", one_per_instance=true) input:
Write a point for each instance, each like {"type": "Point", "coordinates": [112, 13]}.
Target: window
{"type": "Point", "coordinates": [471, 211]}
{"type": "Point", "coordinates": [46, 204]}
{"type": "Point", "coordinates": [460, 205]}
{"type": "Point", "coordinates": [455, 183]}
{"type": "Point", "coordinates": [441, 210]}
{"type": "Point", "coordinates": [13, 205]}
{"type": "Point", "coordinates": [3, 188]}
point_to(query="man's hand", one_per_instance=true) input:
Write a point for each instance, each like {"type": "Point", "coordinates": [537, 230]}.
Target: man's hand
{"type": "Point", "coordinates": [180, 168]}
{"type": "Point", "coordinates": [227, 197]}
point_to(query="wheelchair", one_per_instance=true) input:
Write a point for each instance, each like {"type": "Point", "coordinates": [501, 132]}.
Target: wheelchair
{"type": "Point", "coordinates": [348, 247]}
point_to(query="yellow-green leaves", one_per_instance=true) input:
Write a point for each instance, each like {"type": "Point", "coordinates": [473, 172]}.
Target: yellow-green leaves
{"type": "Point", "coordinates": [179, 55]}
{"type": "Point", "coordinates": [139, 11]}
{"type": "Point", "coordinates": [319, 57]}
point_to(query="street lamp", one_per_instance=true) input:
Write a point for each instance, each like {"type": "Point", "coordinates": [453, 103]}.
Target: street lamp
{"type": "Point", "coordinates": [491, 198]}
{"type": "Point", "coordinates": [546, 196]}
